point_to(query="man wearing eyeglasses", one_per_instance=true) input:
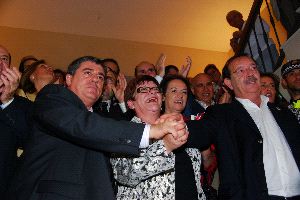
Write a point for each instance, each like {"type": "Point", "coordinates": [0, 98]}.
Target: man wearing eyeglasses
{"type": "Point", "coordinates": [257, 143]}
{"type": "Point", "coordinates": [13, 120]}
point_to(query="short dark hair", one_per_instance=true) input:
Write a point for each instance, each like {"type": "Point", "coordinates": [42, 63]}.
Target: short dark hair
{"type": "Point", "coordinates": [75, 64]}
{"type": "Point", "coordinates": [169, 67]}
{"type": "Point", "coordinates": [135, 69]}
{"type": "Point", "coordinates": [209, 67]}
{"type": "Point", "coordinates": [225, 70]}
{"type": "Point", "coordinates": [23, 60]}
{"type": "Point", "coordinates": [113, 61]}
{"type": "Point", "coordinates": [133, 83]}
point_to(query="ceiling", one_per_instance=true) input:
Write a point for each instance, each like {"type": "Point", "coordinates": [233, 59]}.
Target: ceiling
{"type": "Point", "coordinates": [198, 24]}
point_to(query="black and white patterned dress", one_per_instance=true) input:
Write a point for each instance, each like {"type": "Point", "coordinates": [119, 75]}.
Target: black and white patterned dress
{"type": "Point", "coordinates": [151, 176]}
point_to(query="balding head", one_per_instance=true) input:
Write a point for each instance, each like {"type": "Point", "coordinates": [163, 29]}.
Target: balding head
{"type": "Point", "coordinates": [145, 68]}
{"type": "Point", "coordinates": [202, 88]}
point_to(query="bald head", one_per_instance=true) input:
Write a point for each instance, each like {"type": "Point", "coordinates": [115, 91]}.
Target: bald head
{"type": "Point", "coordinates": [145, 68]}
{"type": "Point", "coordinates": [235, 19]}
{"type": "Point", "coordinates": [202, 88]}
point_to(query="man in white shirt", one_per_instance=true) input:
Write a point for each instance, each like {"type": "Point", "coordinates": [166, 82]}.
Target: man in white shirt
{"type": "Point", "coordinates": [257, 143]}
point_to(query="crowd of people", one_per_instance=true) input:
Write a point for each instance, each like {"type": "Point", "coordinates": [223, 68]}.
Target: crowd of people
{"type": "Point", "coordinates": [88, 134]}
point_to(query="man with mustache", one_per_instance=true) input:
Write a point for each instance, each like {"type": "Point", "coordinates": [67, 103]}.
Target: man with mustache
{"type": "Point", "coordinates": [13, 120]}
{"type": "Point", "coordinates": [69, 146]}
{"type": "Point", "coordinates": [257, 143]}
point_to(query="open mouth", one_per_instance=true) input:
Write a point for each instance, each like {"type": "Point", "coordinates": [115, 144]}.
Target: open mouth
{"type": "Point", "coordinates": [178, 102]}
{"type": "Point", "coordinates": [152, 99]}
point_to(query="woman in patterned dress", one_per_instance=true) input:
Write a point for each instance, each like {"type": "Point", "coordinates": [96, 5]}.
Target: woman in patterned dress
{"type": "Point", "coordinates": [150, 176]}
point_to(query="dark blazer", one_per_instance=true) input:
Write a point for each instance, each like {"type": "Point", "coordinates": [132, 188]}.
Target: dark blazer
{"type": "Point", "coordinates": [14, 129]}
{"type": "Point", "coordinates": [239, 147]}
{"type": "Point", "coordinates": [192, 107]}
{"type": "Point", "coordinates": [67, 154]}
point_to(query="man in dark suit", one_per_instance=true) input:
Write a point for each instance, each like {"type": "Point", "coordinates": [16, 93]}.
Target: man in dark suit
{"type": "Point", "coordinates": [13, 120]}
{"type": "Point", "coordinates": [67, 152]}
{"type": "Point", "coordinates": [257, 144]}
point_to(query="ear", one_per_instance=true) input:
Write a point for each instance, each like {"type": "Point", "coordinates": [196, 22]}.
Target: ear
{"type": "Point", "coordinates": [31, 77]}
{"type": "Point", "coordinates": [130, 104]}
{"type": "Point", "coordinates": [69, 79]}
{"type": "Point", "coordinates": [283, 83]}
{"type": "Point", "coordinates": [227, 82]}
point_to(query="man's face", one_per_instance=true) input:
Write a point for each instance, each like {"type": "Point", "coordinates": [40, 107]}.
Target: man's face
{"type": "Point", "coordinates": [145, 68]}
{"type": "Point", "coordinates": [111, 67]}
{"type": "Point", "coordinates": [245, 78]}
{"type": "Point", "coordinates": [87, 82]}
{"type": "Point", "coordinates": [4, 59]}
{"type": "Point", "coordinates": [291, 82]}
{"type": "Point", "coordinates": [203, 88]}
{"type": "Point", "coordinates": [111, 81]}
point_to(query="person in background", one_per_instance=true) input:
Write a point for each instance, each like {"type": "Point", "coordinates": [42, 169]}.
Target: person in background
{"type": "Point", "coordinates": [34, 78]}
{"type": "Point", "coordinates": [171, 70]}
{"type": "Point", "coordinates": [60, 76]}
{"type": "Point", "coordinates": [290, 73]}
{"type": "Point", "coordinates": [26, 62]}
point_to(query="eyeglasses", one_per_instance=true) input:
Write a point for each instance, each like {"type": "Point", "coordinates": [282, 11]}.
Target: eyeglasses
{"type": "Point", "coordinates": [242, 70]}
{"type": "Point", "coordinates": [4, 59]}
{"type": "Point", "coordinates": [148, 89]}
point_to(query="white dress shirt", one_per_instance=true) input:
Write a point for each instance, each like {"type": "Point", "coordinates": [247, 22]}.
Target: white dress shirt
{"type": "Point", "coordinates": [282, 173]}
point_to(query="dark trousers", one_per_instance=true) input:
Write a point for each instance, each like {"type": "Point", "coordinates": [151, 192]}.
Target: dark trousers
{"type": "Point", "coordinates": [283, 198]}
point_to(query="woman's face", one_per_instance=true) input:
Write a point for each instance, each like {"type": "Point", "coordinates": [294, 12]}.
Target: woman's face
{"type": "Point", "coordinates": [147, 99]}
{"type": "Point", "coordinates": [268, 88]}
{"type": "Point", "coordinates": [175, 97]}
{"type": "Point", "coordinates": [43, 73]}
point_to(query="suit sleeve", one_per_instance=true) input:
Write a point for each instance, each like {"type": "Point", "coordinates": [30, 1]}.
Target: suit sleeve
{"type": "Point", "coordinates": [64, 116]}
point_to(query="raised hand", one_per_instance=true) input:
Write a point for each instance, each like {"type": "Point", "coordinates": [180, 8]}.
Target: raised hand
{"type": "Point", "coordinates": [9, 83]}
{"type": "Point", "coordinates": [185, 68]}
{"type": "Point", "coordinates": [160, 65]}
{"type": "Point", "coordinates": [226, 97]}
{"type": "Point", "coordinates": [120, 88]}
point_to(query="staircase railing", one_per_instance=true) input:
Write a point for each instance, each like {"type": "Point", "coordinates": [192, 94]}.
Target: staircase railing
{"type": "Point", "coordinates": [254, 47]}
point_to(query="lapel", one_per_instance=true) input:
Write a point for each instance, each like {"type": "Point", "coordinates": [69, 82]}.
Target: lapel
{"type": "Point", "coordinates": [240, 114]}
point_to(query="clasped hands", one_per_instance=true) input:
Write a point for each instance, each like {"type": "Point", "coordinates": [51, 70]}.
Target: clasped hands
{"type": "Point", "coordinates": [172, 129]}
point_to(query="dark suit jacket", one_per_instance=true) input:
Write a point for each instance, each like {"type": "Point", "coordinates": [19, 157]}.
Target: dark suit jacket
{"type": "Point", "coordinates": [14, 130]}
{"type": "Point", "coordinates": [193, 107]}
{"type": "Point", "coordinates": [66, 157]}
{"type": "Point", "coordinates": [239, 146]}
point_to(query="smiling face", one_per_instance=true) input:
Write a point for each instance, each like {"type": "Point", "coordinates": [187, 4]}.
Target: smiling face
{"type": "Point", "coordinates": [245, 78]}
{"type": "Point", "coordinates": [87, 82]}
{"type": "Point", "coordinates": [291, 82]}
{"type": "Point", "coordinates": [268, 88]}
{"type": "Point", "coordinates": [176, 96]}
{"type": "Point", "coordinates": [147, 100]}
{"type": "Point", "coordinates": [203, 88]}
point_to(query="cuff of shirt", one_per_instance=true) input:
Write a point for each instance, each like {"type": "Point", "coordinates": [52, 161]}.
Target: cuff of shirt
{"type": "Point", "coordinates": [145, 138]}
{"type": "Point", "coordinates": [123, 107]}
{"type": "Point", "coordinates": [3, 106]}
